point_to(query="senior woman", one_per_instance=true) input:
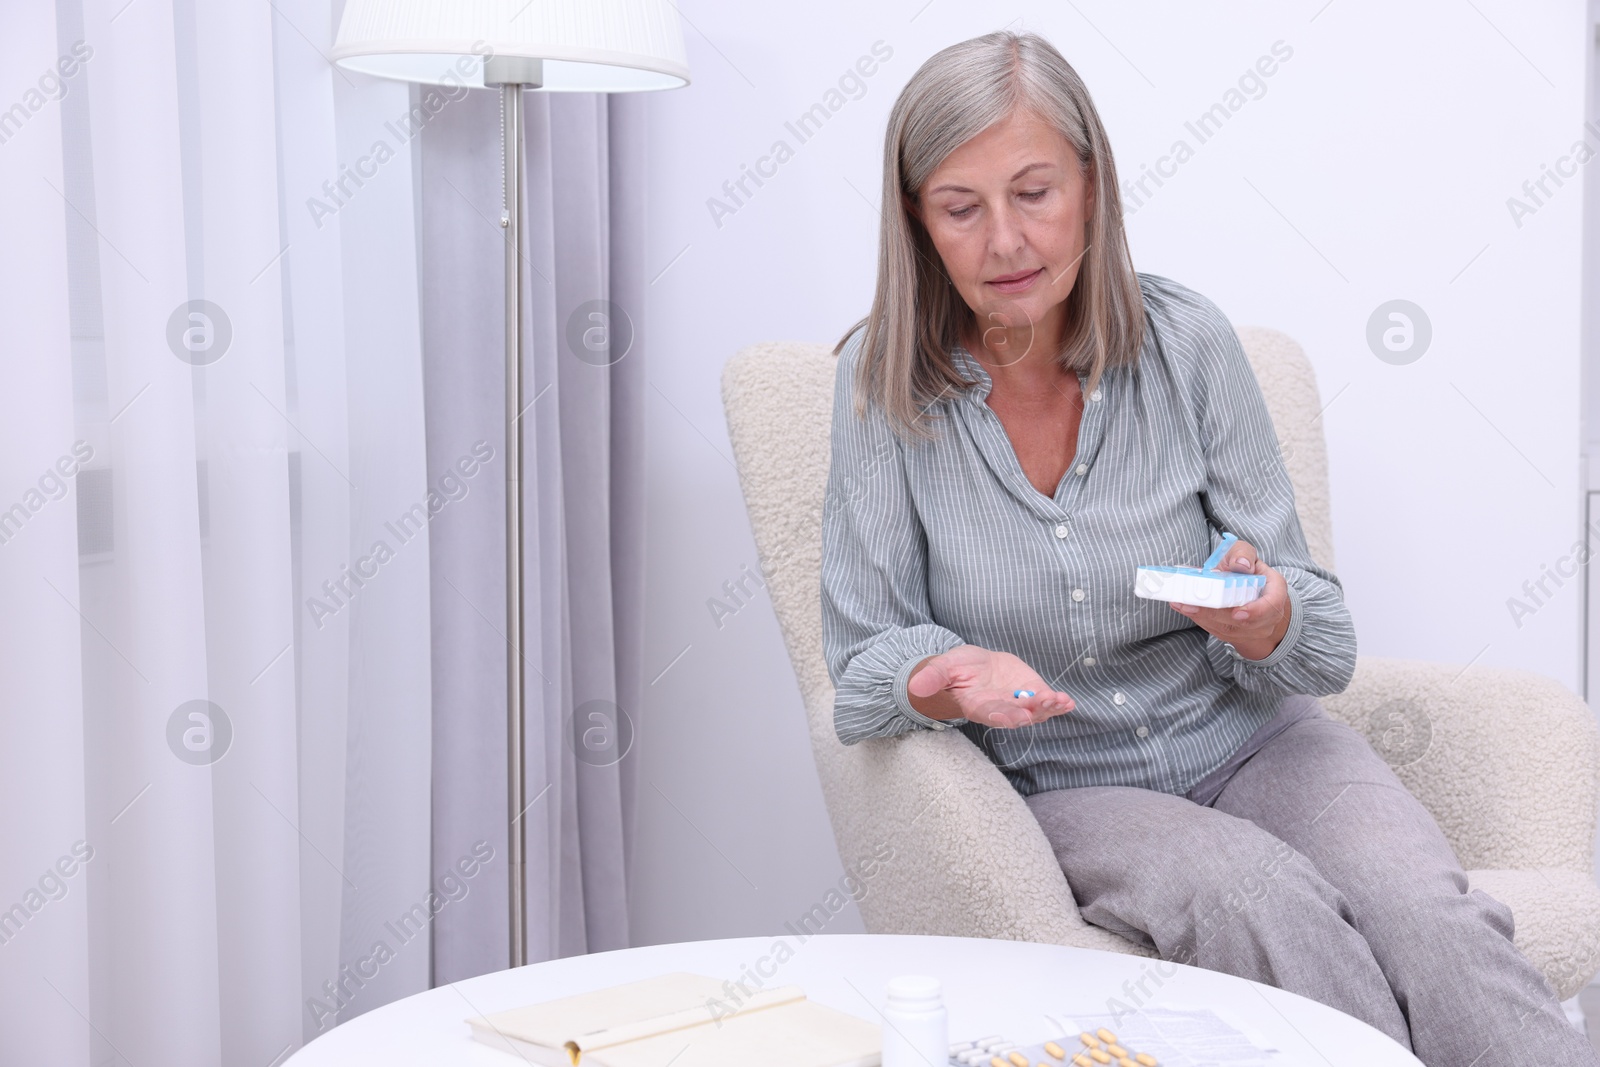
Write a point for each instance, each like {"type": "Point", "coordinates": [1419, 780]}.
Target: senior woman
{"type": "Point", "coordinates": [1019, 423]}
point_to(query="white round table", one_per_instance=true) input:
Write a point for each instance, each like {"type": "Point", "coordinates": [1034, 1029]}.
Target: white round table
{"type": "Point", "coordinates": [990, 987]}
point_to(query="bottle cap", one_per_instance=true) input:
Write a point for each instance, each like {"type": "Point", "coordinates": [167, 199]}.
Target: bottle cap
{"type": "Point", "coordinates": [915, 992]}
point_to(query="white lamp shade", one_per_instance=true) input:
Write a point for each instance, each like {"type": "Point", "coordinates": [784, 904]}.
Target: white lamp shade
{"type": "Point", "coordinates": [593, 46]}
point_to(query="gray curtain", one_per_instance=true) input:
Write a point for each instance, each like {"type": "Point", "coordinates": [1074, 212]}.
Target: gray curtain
{"type": "Point", "coordinates": [583, 537]}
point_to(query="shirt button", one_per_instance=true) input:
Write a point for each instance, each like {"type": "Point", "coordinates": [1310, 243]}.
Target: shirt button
{"type": "Point", "coordinates": [1095, 395]}
{"type": "Point", "coordinates": [1143, 731]}
{"type": "Point", "coordinates": [1088, 661]}
{"type": "Point", "coordinates": [1118, 698]}
{"type": "Point", "coordinates": [1083, 468]}
{"type": "Point", "coordinates": [1077, 594]}
{"type": "Point", "coordinates": [1061, 531]}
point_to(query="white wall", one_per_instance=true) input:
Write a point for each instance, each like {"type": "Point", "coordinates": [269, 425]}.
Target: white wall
{"type": "Point", "coordinates": [1376, 165]}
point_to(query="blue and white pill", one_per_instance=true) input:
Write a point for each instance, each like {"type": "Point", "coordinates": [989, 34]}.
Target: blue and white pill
{"type": "Point", "coordinates": [1020, 693]}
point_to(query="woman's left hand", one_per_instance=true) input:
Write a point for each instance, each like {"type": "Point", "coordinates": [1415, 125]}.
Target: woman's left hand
{"type": "Point", "coordinates": [1254, 628]}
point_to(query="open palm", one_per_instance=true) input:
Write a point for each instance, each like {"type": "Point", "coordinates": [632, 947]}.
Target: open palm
{"type": "Point", "coordinates": [983, 682]}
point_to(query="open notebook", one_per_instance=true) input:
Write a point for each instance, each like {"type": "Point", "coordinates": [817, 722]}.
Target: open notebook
{"type": "Point", "coordinates": [687, 1020]}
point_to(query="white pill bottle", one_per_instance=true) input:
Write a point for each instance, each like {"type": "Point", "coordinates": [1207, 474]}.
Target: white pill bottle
{"type": "Point", "coordinates": [916, 1029]}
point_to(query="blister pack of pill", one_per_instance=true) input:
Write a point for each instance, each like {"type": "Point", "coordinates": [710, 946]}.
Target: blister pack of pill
{"type": "Point", "coordinates": [1097, 1049]}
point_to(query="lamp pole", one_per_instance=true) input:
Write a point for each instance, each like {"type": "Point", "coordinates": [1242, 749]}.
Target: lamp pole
{"type": "Point", "coordinates": [513, 74]}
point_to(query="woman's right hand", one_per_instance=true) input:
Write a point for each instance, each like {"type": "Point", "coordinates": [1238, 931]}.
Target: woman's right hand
{"type": "Point", "coordinates": [977, 684]}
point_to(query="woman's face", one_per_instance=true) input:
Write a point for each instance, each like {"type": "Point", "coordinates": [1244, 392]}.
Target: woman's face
{"type": "Point", "coordinates": [1007, 212]}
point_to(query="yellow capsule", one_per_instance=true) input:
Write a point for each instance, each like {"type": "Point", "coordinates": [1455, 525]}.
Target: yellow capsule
{"type": "Point", "coordinates": [1055, 1050]}
{"type": "Point", "coordinates": [996, 1061]}
{"type": "Point", "coordinates": [1090, 1040]}
{"type": "Point", "coordinates": [1117, 1050]}
{"type": "Point", "coordinates": [1145, 1060]}
{"type": "Point", "coordinates": [1019, 1059]}
{"type": "Point", "coordinates": [1106, 1035]}
{"type": "Point", "coordinates": [1100, 1055]}
{"type": "Point", "coordinates": [1126, 1061]}
{"type": "Point", "coordinates": [1081, 1060]}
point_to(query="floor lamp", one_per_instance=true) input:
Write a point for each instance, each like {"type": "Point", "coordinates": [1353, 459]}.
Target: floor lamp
{"type": "Point", "coordinates": [595, 46]}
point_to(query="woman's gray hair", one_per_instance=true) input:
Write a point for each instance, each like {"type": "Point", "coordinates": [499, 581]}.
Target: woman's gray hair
{"type": "Point", "coordinates": [917, 316]}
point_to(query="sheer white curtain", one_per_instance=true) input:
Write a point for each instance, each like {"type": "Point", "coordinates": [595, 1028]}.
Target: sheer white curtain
{"type": "Point", "coordinates": [253, 753]}
{"type": "Point", "coordinates": [215, 752]}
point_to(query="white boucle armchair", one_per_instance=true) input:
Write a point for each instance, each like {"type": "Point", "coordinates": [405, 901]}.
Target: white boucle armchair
{"type": "Point", "coordinates": [1505, 760]}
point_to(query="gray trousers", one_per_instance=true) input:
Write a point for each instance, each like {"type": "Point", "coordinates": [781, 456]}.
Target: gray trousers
{"type": "Point", "coordinates": [1314, 870]}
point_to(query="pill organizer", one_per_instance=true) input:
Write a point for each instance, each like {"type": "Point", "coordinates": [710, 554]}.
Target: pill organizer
{"type": "Point", "coordinates": [1203, 586]}
{"type": "Point", "coordinates": [1098, 1048]}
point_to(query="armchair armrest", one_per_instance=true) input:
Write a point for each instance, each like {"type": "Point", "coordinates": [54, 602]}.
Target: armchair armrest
{"type": "Point", "coordinates": [1507, 761]}
{"type": "Point", "coordinates": [968, 857]}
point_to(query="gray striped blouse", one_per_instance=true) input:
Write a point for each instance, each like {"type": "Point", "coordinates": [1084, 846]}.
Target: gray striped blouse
{"type": "Point", "coordinates": [931, 545]}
